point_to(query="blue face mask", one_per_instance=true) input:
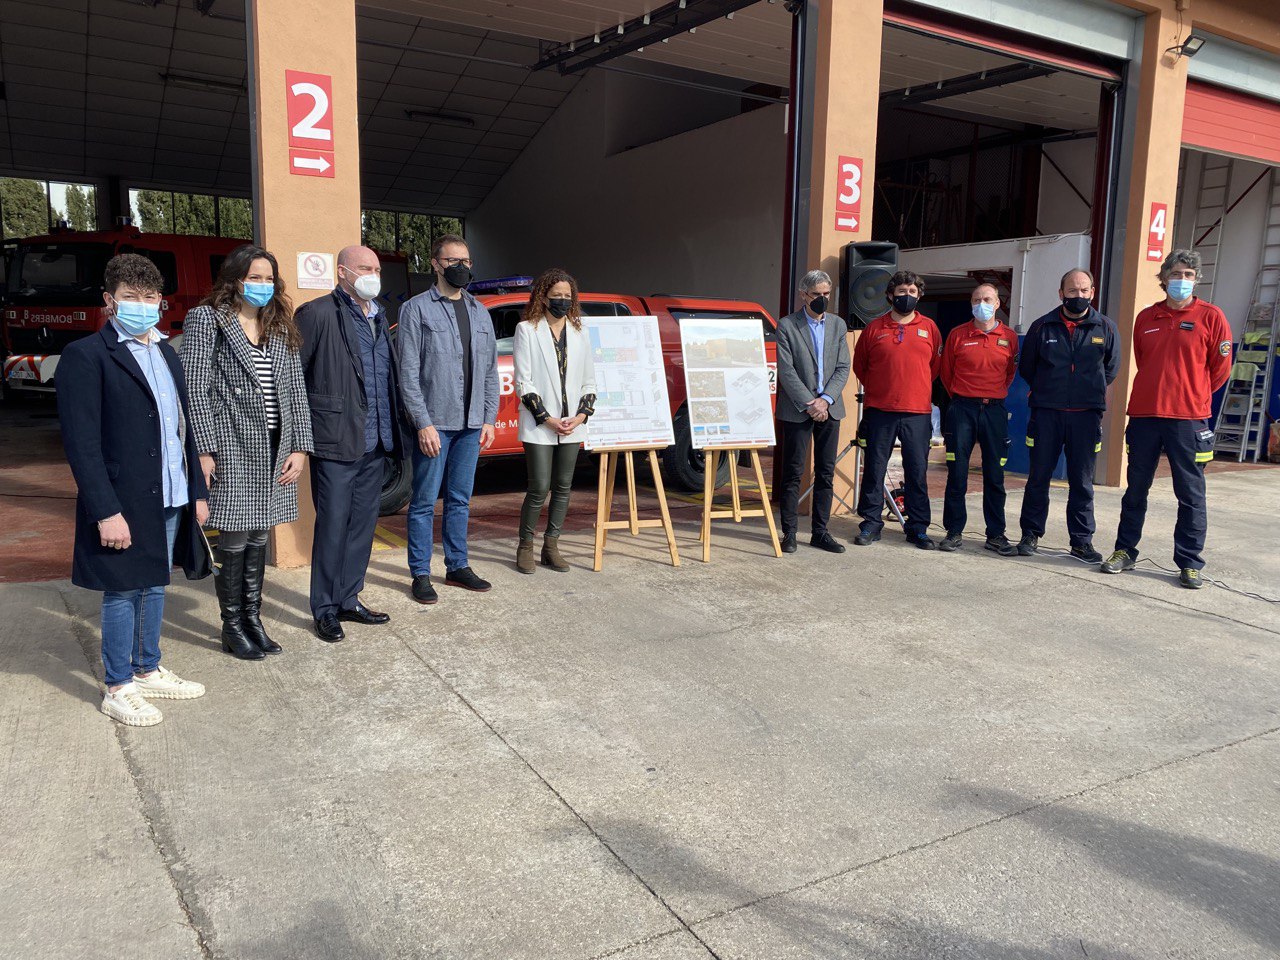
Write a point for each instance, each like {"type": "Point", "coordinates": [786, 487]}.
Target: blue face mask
{"type": "Point", "coordinates": [1180, 289]}
{"type": "Point", "coordinates": [983, 312]}
{"type": "Point", "coordinates": [136, 318]}
{"type": "Point", "coordinates": [258, 294]}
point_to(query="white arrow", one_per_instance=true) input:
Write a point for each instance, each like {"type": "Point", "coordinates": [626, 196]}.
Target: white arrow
{"type": "Point", "coordinates": [311, 163]}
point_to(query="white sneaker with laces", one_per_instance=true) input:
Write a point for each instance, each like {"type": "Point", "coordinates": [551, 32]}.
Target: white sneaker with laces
{"type": "Point", "coordinates": [164, 684]}
{"type": "Point", "coordinates": [128, 706]}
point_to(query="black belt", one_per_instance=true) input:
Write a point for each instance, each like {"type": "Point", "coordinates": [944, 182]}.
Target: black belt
{"type": "Point", "coordinates": [982, 400]}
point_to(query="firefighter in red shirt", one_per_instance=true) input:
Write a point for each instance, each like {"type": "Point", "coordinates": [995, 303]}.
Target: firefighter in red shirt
{"type": "Point", "coordinates": [1182, 348]}
{"type": "Point", "coordinates": [896, 360]}
{"type": "Point", "coordinates": [979, 361]}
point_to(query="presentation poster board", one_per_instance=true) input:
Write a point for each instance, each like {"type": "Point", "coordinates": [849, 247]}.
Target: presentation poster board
{"type": "Point", "coordinates": [633, 408]}
{"type": "Point", "coordinates": [727, 377]}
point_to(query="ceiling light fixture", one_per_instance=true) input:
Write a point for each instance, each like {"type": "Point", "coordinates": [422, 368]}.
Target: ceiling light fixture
{"type": "Point", "coordinates": [1188, 47]}
{"type": "Point", "coordinates": [435, 116]}
{"type": "Point", "coordinates": [203, 84]}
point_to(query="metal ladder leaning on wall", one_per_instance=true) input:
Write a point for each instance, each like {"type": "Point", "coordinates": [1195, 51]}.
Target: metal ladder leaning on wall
{"type": "Point", "coordinates": [1213, 195]}
{"type": "Point", "coordinates": [1242, 422]}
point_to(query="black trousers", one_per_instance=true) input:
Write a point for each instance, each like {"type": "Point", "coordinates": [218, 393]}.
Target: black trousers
{"type": "Point", "coordinates": [1049, 433]}
{"type": "Point", "coordinates": [1188, 446]}
{"type": "Point", "coordinates": [796, 440]}
{"type": "Point", "coordinates": [347, 496]}
{"type": "Point", "coordinates": [876, 434]}
{"type": "Point", "coordinates": [986, 423]}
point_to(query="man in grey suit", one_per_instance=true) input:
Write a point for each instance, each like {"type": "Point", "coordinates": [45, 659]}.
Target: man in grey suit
{"type": "Point", "coordinates": [813, 367]}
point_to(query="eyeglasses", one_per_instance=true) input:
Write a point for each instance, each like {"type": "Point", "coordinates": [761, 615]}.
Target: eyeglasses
{"type": "Point", "coordinates": [454, 261]}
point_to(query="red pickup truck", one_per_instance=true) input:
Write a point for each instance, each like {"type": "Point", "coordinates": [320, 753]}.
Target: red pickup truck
{"type": "Point", "coordinates": [681, 465]}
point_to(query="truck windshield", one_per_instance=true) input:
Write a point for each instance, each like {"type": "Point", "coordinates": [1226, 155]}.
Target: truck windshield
{"type": "Point", "coordinates": [57, 274]}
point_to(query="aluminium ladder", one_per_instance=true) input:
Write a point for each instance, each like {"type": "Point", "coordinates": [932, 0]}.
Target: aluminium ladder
{"type": "Point", "coordinates": [1213, 196]}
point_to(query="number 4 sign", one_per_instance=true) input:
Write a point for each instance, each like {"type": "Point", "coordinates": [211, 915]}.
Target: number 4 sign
{"type": "Point", "coordinates": [310, 101]}
{"type": "Point", "coordinates": [1156, 231]}
{"type": "Point", "coordinates": [848, 194]}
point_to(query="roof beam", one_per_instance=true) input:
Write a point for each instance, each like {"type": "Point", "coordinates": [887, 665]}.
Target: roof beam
{"type": "Point", "coordinates": [659, 26]}
{"type": "Point", "coordinates": [969, 83]}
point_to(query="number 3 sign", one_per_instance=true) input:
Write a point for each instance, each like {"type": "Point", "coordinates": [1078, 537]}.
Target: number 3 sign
{"type": "Point", "coordinates": [310, 101]}
{"type": "Point", "coordinates": [848, 194]}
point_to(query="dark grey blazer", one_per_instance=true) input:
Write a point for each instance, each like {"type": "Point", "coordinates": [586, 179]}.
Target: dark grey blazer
{"type": "Point", "coordinates": [798, 362]}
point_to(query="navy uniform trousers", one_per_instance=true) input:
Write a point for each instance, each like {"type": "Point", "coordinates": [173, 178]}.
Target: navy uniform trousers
{"type": "Point", "coordinates": [346, 495]}
{"type": "Point", "coordinates": [1188, 446]}
{"type": "Point", "coordinates": [1049, 433]}
{"type": "Point", "coordinates": [876, 434]}
{"type": "Point", "coordinates": [969, 421]}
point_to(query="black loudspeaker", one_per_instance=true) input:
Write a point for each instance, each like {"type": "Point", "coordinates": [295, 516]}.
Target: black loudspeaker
{"type": "Point", "coordinates": [865, 269]}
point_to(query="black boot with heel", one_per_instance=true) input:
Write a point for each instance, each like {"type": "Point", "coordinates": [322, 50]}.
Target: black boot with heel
{"type": "Point", "coordinates": [229, 582]}
{"type": "Point", "coordinates": [255, 563]}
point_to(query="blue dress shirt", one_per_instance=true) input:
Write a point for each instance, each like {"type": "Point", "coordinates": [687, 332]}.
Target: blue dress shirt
{"type": "Point", "coordinates": [817, 330]}
{"type": "Point", "coordinates": [375, 362]}
{"type": "Point", "coordinates": [165, 393]}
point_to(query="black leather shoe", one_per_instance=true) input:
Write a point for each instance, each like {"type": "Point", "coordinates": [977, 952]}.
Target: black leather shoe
{"type": "Point", "coordinates": [788, 543]}
{"type": "Point", "coordinates": [825, 541]}
{"type": "Point", "coordinates": [865, 539]}
{"type": "Point", "coordinates": [329, 629]}
{"type": "Point", "coordinates": [362, 614]}
{"type": "Point", "coordinates": [466, 578]}
{"type": "Point", "coordinates": [423, 591]}
{"type": "Point", "coordinates": [1086, 553]}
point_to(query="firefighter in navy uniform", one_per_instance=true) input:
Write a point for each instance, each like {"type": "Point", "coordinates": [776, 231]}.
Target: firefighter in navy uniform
{"type": "Point", "coordinates": [979, 361]}
{"type": "Point", "coordinates": [1069, 358]}
{"type": "Point", "coordinates": [1182, 349]}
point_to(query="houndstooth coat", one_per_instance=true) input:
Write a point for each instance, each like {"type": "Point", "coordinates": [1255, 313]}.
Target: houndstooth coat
{"type": "Point", "coordinates": [229, 420]}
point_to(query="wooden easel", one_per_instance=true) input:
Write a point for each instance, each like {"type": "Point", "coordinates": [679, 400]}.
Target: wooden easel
{"type": "Point", "coordinates": [712, 456]}
{"type": "Point", "coordinates": [604, 503]}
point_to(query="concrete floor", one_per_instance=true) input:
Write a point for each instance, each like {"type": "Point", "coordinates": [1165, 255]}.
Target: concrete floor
{"type": "Point", "coordinates": [885, 754]}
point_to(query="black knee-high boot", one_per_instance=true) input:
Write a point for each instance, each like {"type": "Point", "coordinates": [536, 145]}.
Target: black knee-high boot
{"type": "Point", "coordinates": [255, 562]}
{"type": "Point", "coordinates": [229, 582]}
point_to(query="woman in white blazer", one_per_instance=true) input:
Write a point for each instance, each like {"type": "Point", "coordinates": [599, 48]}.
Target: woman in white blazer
{"type": "Point", "coordinates": [556, 383]}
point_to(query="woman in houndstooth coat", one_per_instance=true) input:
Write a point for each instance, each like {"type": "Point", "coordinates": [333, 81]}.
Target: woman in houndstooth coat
{"type": "Point", "coordinates": [252, 426]}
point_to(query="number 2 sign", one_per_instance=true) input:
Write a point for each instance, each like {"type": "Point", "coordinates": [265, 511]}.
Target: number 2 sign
{"type": "Point", "coordinates": [310, 101]}
{"type": "Point", "coordinates": [848, 193]}
{"type": "Point", "coordinates": [1156, 230]}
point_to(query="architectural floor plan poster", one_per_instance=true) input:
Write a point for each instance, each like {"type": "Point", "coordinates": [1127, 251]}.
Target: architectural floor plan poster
{"type": "Point", "coordinates": [728, 381]}
{"type": "Point", "coordinates": [632, 406]}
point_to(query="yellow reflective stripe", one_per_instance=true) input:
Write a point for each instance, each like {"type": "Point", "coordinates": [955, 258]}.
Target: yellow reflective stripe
{"type": "Point", "coordinates": [1126, 449]}
{"type": "Point", "coordinates": [1003, 461]}
{"type": "Point", "coordinates": [1031, 441]}
{"type": "Point", "coordinates": [1204, 457]}
{"type": "Point", "coordinates": [862, 442]}
{"type": "Point", "coordinates": [1097, 447]}
{"type": "Point", "coordinates": [951, 456]}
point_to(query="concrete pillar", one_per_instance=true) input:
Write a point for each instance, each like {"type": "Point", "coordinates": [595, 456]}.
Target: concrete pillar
{"type": "Point", "coordinates": [312, 206]}
{"type": "Point", "coordinates": [843, 109]}
{"type": "Point", "coordinates": [1152, 175]}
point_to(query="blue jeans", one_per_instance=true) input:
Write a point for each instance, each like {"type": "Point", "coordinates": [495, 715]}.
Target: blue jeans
{"type": "Point", "coordinates": [452, 470]}
{"type": "Point", "coordinates": [131, 622]}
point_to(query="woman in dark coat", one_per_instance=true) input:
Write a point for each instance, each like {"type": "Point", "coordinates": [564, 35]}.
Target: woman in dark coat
{"type": "Point", "coordinates": [140, 494]}
{"type": "Point", "coordinates": [252, 425]}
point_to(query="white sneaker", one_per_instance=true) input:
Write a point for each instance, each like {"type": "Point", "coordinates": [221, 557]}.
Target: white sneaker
{"type": "Point", "coordinates": [164, 684]}
{"type": "Point", "coordinates": [128, 706]}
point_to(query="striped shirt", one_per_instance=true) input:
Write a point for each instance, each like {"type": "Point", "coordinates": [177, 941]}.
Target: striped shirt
{"type": "Point", "coordinates": [267, 382]}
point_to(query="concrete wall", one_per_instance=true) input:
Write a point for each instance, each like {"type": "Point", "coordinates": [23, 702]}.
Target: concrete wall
{"type": "Point", "coordinates": [699, 213]}
{"type": "Point", "coordinates": [1060, 209]}
{"type": "Point", "coordinates": [1242, 234]}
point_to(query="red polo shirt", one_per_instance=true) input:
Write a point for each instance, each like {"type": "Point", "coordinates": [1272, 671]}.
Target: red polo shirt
{"type": "Point", "coordinates": [897, 363]}
{"type": "Point", "coordinates": [1182, 356]}
{"type": "Point", "coordinates": [977, 364]}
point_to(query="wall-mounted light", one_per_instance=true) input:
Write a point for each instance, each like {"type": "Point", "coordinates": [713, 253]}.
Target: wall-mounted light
{"type": "Point", "coordinates": [203, 84]}
{"type": "Point", "coordinates": [435, 116]}
{"type": "Point", "coordinates": [1188, 47]}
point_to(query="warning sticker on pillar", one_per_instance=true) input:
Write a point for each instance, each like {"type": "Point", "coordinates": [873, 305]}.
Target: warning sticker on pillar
{"type": "Point", "coordinates": [310, 109]}
{"type": "Point", "coordinates": [848, 194]}
{"type": "Point", "coordinates": [1157, 228]}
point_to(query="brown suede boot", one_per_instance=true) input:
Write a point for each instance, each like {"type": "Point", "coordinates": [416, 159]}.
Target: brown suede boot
{"type": "Point", "coordinates": [524, 557]}
{"type": "Point", "coordinates": [551, 555]}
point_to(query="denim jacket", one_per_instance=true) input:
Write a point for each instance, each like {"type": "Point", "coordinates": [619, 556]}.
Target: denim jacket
{"type": "Point", "coordinates": [431, 375]}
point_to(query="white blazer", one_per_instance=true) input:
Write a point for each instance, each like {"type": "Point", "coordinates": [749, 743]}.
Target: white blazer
{"type": "Point", "coordinates": [537, 372]}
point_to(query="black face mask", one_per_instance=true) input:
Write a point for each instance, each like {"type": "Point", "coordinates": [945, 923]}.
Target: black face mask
{"type": "Point", "coordinates": [818, 306]}
{"type": "Point", "coordinates": [458, 275]}
{"type": "Point", "coordinates": [904, 303]}
{"type": "Point", "coordinates": [559, 307]}
{"type": "Point", "coordinates": [1076, 305]}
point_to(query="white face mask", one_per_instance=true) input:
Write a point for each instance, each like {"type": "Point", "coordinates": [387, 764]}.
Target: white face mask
{"type": "Point", "coordinates": [367, 286]}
